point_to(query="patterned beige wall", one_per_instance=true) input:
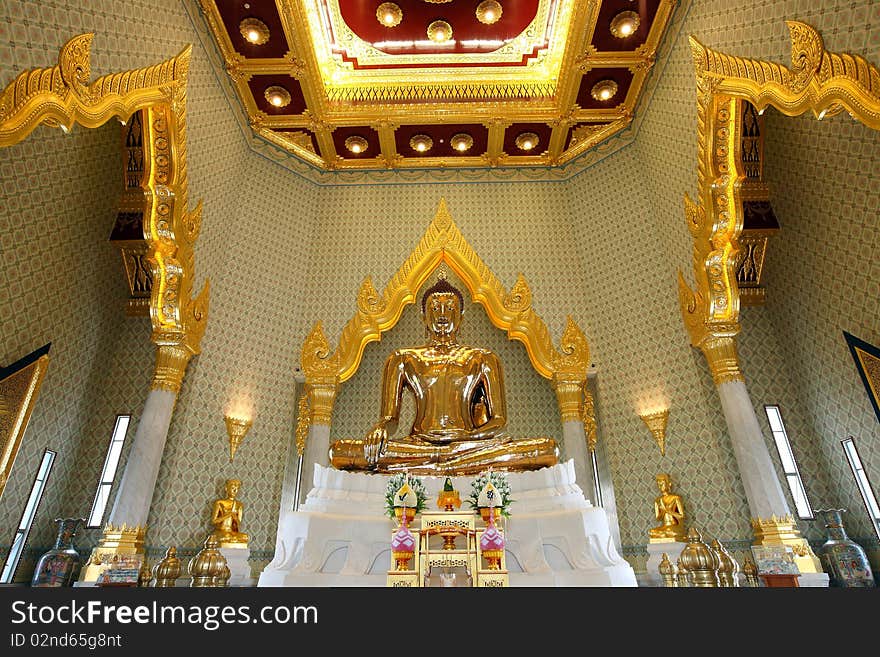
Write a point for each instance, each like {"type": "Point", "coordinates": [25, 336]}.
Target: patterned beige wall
{"type": "Point", "coordinates": [825, 278]}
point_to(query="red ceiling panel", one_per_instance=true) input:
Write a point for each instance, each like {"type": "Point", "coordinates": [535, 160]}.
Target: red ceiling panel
{"type": "Point", "coordinates": [622, 76]}
{"type": "Point", "coordinates": [258, 85]}
{"type": "Point", "coordinates": [343, 133]}
{"type": "Point", "coordinates": [541, 129]}
{"type": "Point", "coordinates": [360, 16]}
{"type": "Point", "coordinates": [234, 11]}
{"type": "Point", "coordinates": [441, 135]}
{"type": "Point", "coordinates": [605, 41]}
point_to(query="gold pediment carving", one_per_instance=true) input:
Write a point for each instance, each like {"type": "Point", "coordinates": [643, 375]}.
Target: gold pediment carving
{"type": "Point", "coordinates": [510, 311]}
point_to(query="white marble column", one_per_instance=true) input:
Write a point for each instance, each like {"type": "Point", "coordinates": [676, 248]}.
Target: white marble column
{"type": "Point", "coordinates": [317, 451]}
{"type": "Point", "coordinates": [575, 439]}
{"type": "Point", "coordinates": [763, 490]}
{"type": "Point", "coordinates": [135, 492]}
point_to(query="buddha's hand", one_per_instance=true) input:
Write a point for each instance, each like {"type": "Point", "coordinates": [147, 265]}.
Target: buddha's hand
{"type": "Point", "coordinates": [374, 442]}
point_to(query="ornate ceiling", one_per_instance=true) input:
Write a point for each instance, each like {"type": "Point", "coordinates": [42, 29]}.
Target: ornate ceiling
{"type": "Point", "coordinates": [365, 84]}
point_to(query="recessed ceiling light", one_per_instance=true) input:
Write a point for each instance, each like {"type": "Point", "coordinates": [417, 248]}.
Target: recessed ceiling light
{"type": "Point", "coordinates": [277, 96]}
{"type": "Point", "coordinates": [526, 141]}
{"type": "Point", "coordinates": [356, 144]}
{"type": "Point", "coordinates": [604, 90]}
{"type": "Point", "coordinates": [489, 12]}
{"type": "Point", "coordinates": [421, 143]}
{"type": "Point", "coordinates": [625, 24]}
{"type": "Point", "coordinates": [254, 31]}
{"type": "Point", "coordinates": [439, 31]}
{"type": "Point", "coordinates": [461, 142]}
{"type": "Point", "coordinates": [389, 14]}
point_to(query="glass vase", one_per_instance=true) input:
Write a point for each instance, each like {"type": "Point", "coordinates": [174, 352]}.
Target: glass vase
{"type": "Point", "coordinates": [844, 560]}
{"type": "Point", "coordinates": [60, 566]}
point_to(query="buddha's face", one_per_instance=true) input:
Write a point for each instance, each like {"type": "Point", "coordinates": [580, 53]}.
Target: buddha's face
{"type": "Point", "coordinates": [663, 484]}
{"type": "Point", "coordinates": [442, 313]}
{"type": "Point", "coordinates": [232, 487]}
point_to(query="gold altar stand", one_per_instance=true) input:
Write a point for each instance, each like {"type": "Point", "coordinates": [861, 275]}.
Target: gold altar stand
{"type": "Point", "coordinates": [447, 553]}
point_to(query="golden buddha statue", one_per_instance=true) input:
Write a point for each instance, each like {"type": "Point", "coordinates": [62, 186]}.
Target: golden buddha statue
{"type": "Point", "coordinates": [460, 407]}
{"type": "Point", "coordinates": [226, 518]}
{"type": "Point", "coordinates": [669, 510]}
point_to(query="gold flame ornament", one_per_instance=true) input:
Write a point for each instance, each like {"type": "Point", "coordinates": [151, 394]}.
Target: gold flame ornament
{"type": "Point", "coordinates": [656, 423]}
{"type": "Point", "coordinates": [237, 428]}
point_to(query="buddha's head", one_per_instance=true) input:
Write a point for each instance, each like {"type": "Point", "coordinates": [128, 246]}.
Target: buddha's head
{"type": "Point", "coordinates": [442, 306]}
{"type": "Point", "coordinates": [664, 483]}
{"type": "Point", "coordinates": [232, 488]}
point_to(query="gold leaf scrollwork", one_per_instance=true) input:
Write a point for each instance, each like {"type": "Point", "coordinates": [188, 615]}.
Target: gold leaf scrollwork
{"type": "Point", "coordinates": [520, 297]}
{"type": "Point", "coordinates": [806, 54]}
{"type": "Point", "coordinates": [317, 361]}
{"type": "Point", "coordinates": [302, 422]}
{"type": "Point", "coordinates": [588, 417]}
{"type": "Point", "coordinates": [574, 352]}
{"type": "Point", "coordinates": [368, 300]}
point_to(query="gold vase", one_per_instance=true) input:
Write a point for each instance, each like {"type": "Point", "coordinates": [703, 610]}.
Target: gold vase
{"type": "Point", "coordinates": [402, 559]}
{"type": "Point", "coordinates": [493, 559]}
{"type": "Point", "coordinates": [410, 513]}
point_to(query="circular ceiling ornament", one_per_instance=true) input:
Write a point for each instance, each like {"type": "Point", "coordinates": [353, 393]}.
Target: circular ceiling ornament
{"type": "Point", "coordinates": [356, 144]}
{"type": "Point", "coordinates": [277, 96]}
{"type": "Point", "coordinates": [421, 143]}
{"type": "Point", "coordinates": [604, 90]}
{"type": "Point", "coordinates": [625, 24]}
{"type": "Point", "coordinates": [439, 31]}
{"type": "Point", "coordinates": [489, 12]}
{"type": "Point", "coordinates": [254, 31]}
{"type": "Point", "coordinates": [461, 142]}
{"type": "Point", "coordinates": [526, 141]}
{"type": "Point", "coordinates": [389, 14]}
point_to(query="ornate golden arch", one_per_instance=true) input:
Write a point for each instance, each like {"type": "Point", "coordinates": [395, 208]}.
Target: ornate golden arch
{"type": "Point", "coordinates": [61, 96]}
{"type": "Point", "coordinates": [819, 81]}
{"type": "Point", "coordinates": [510, 311]}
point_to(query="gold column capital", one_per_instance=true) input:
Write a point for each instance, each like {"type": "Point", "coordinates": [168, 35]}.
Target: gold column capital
{"type": "Point", "coordinates": [321, 396]}
{"type": "Point", "coordinates": [720, 353]}
{"type": "Point", "coordinates": [570, 397]}
{"type": "Point", "coordinates": [171, 362]}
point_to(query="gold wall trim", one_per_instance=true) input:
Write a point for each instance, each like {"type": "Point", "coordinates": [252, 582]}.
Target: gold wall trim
{"type": "Point", "coordinates": [819, 81]}
{"type": "Point", "coordinates": [61, 96]}
{"type": "Point", "coordinates": [510, 311]}
{"type": "Point", "coordinates": [19, 386]}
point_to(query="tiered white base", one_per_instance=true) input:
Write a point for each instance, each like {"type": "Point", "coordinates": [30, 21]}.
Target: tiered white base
{"type": "Point", "coordinates": [341, 537]}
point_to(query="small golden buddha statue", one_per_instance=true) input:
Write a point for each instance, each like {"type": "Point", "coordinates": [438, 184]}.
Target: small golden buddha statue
{"type": "Point", "coordinates": [460, 406]}
{"type": "Point", "coordinates": [669, 510]}
{"type": "Point", "coordinates": [226, 518]}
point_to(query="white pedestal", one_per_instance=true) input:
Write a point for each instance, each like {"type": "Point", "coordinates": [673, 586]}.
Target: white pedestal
{"type": "Point", "coordinates": [240, 569]}
{"type": "Point", "coordinates": [813, 579]}
{"type": "Point", "coordinates": [341, 537]}
{"type": "Point", "coordinates": [655, 556]}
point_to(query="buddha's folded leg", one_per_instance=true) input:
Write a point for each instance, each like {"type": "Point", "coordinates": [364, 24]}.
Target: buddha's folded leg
{"type": "Point", "coordinates": [398, 455]}
{"type": "Point", "coordinates": [527, 454]}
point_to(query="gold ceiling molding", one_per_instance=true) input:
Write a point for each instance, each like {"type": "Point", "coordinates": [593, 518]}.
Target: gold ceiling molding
{"type": "Point", "coordinates": [510, 311]}
{"type": "Point", "coordinates": [339, 94]}
{"type": "Point", "coordinates": [61, 96]}
{"type": "Point", "coordinates": [819, 81]}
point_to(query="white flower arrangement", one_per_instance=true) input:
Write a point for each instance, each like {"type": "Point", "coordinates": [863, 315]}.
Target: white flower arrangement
{"type": "Point", "coordinates": [499, 480]}
{"type": "Point", "coordinates": [394, 485]}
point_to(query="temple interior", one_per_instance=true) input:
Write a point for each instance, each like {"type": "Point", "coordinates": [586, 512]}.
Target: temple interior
{"type": "Point", "coordinates": [305, 193]}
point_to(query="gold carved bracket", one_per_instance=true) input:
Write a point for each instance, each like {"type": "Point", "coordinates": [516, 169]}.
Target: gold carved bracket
{"type": "Point", "coordinates": [819, 81]}
{"type": "Point", "coordinates": [509, 310]}
{"type": "Point", "coordinates": [62, 96]}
